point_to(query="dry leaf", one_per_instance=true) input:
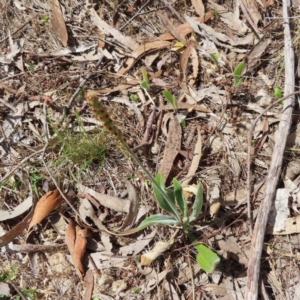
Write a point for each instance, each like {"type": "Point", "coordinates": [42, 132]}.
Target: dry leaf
{"type": "Point", "coordinates": [103, 26]}
{"type": "Point", "coordinates": [15, 212]}
{"type": "Point", "coordinates": [76, 242]}
{"type": "Point", "coordinates": [141, 51]}
{"type": "Point", "coordinates": [89, 285]}
{"type": "Point", "coordinates": [45, 206]}
{"type": "Point", "coordinates": [188, 52]}
{"type": "Point", "coordinates": [58, 22]}
{"type": "Point", "coordinates": [17, 230]}
{"type": "Point", "coordinates": [292, 225]}
{"type": "Point", "coordinates": [159, 249]}
{"type": "Point", "coordinates": [172, 147]}
{"type": "Point", "coordinates": [184, 105]}
{"type": "Point", "coordinates": [196, 159]}
{"type": "Point", "coordinates": [199, 7]}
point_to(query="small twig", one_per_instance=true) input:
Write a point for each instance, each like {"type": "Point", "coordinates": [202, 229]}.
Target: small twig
{"type": "Point", "coordinates": [174, 11]}
{"type": "Point", "coordinates": [8, 105]}
{"type": "Point", "coordinates": [8, 88]}
{"type": "Point", "coordinates": [82, 83]}
{"type": "Point", "coordinates": [23, 25]}
{"type": "Point", "coordinates": [18, 166]}
{"type": "Point", "coordinates": [18, 291]}
{"type": "Point", "coordinates": [145, 4]}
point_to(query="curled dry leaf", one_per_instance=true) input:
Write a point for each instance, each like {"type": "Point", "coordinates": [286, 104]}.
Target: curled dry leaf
{"type": "Point", "coordinates": [187, 53]}
{"type": "Point", "coordinates": [45, 206]}
{"type": "Point", "coordinates": [76, 242]}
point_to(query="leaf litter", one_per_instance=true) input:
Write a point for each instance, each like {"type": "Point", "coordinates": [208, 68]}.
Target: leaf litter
{"type": "Point", "coordinates": [48, 49]}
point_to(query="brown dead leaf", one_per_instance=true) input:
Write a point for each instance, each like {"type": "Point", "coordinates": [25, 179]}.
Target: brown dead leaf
{"type": "Point", "coordinates": [199, 7]}
{"type": "Point", "coordinates": [184, 105]}
{"type": "Point", "coordinates": [58, 22]}
{"type": "Point", "coordinates": [251, 13]}
{"type": "Point", "coordinates": [89, 285]}
{"type": "Point", "coordinates": [76, 242]}
{"type": "Point", "coordinates": [196, 158]}
{"type": "Point", "coordinates": [141, 51]}
{"type": "Point", "coordinates": [184, 58]}
{"type": "Point", "coordinates": [45, 206]}
{"type": "Point", "coordinates": [17, 230]}
{"type": "Point", "coordinates": [172, 147]}
{"type": "Point", "coordinates": [104, 27]}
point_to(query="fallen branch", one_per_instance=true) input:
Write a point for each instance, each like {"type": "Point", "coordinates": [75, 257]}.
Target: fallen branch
{"type": "Point", "coordinates": [253, 272]}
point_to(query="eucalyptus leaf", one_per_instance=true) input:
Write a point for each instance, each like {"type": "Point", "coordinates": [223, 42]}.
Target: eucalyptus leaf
{"type": "Point", "coordinates": [206, 258]}
{"type": "Point", "coordinates": [179, 197]}
{"type": "Point", "coordinates": [197, 206]}
{"type": "Point", "coordinates": [158, 219]}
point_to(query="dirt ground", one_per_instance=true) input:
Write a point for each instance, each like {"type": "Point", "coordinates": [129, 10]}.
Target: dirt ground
{"type": "Point", "coordinates": [180, 84]}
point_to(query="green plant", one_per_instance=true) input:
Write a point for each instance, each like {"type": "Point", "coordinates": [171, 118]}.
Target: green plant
{"type": "Point", "coordinates": [206, 258]}
{"type": "Point", "coordinates": [45, 20]}
{"type": "Point", "coordinates": [237, 75]}
{"type": "Point", "coordinates": [171, 98]}
{"type": "Point", "coordinates": [215, 58]}
{"type": "Point", "coordinates": [278, 93]}
{"type": "Point", "coordinates": [79, 148]}
{"type": "Point", "coordinates": [31, 68]}
{"type": "Point", "coordinates": [34, 178]}
{"type": "Point", "coordinates": [145, 83]}
{"type": "Point", "coordinates": [136, 290]}
{"type": "Point", "coordinates": [166, 198]}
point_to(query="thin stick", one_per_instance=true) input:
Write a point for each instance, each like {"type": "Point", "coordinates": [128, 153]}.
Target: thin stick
{"type": "Point", "coordinates": [8, 105]}
{"type": "Point", "coordinates": [138, 13]}
{"type": "Point", "coordinates": [23, 25]}
{"type": "Point", "coordinates": [253, 272]}
{"type": "Point", "coordinates": [82, 83]}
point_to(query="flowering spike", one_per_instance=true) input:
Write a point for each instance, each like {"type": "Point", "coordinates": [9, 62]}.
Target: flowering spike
{"type": "Point", "coordinates": [102, 115]}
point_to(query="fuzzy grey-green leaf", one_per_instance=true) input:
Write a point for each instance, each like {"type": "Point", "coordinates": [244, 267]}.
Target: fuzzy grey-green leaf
{"type": "Point", "coordinates": [158, 219]}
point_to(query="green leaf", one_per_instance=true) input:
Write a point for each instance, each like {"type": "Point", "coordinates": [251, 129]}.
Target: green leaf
{"type": "Point", "coordinates": [197, 206]}
{"type": "Point", "coordinates": [206, 258]}
{"type": "Point", "coordinates": [144, 74]}
{"type": "Point", "coordinates": [171, 99]}
{"type": "Point", "coordinates": [278, 93]}
{"type": "Point", "coordinates": [158, 219]}
{"type": "Point", "coordinates": [237, 79]}
{"type": "Point", "coordinates": [132, 97]}
{"type": "Point", "coordinates": [179, 197]}
{"type": "Point", "coordinates": [167, 200]}
{"type": "Point", "coordinates": [214, 57]}
{"type": "Point", "coordinates": [145, 85]}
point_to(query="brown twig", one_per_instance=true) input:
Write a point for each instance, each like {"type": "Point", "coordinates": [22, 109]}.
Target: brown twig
{"type": "Point", "coordinates": [253, 272]}
{"type": "Point", "coordinates": [82, 83]}
{"type": "Point", "coordinates": [23, 25]}
{"type": "Point", "coordinates": [137, 14]}
{"type": "Point", "coordinates": [8, 105]}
